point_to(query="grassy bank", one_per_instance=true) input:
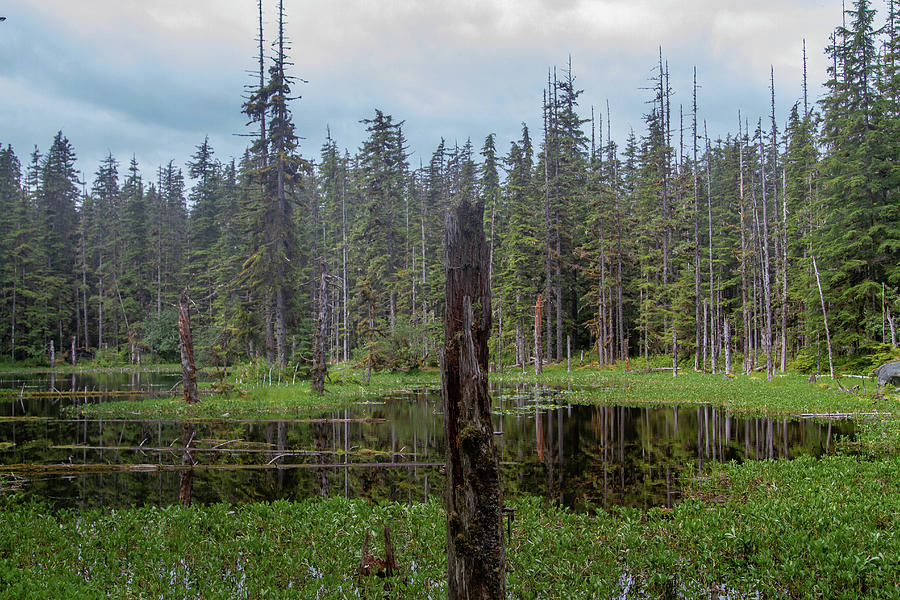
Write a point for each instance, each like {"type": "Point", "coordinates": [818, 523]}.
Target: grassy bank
{"type": "Point", "coordinates": [787, 395]}
{"type": "Point", "coordinates": [64, 368]}
{"type": "Point", "coordinates": [250, 399]}
{"type": "Point", "coordinates": [788, 529]}
{"type": "Point", "coordinates": [877, 413]}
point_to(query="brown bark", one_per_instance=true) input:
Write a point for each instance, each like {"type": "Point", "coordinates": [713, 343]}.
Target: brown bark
{"type": "Point", "coordinates": [188, 371]}
{"type": "Point", "coordinates": [727, 346]}
{"type": "Point", "coordinates": [538, 359]}
{"type": "Point", "coordinates": [269, 328]}
{"type": "Point", "coordinates": [475, 553]}
{"type": "Point", "coordinates": [320, 354]}
{"type": "Point", "coordinates": [186, 490]}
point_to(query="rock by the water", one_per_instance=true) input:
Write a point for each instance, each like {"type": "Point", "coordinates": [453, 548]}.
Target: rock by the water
{"type": "Point", "coordinates": [888, 373]}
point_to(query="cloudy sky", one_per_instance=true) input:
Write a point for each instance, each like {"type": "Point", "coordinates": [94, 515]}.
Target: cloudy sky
{"type": "Point", "coordinates": [151, 78]}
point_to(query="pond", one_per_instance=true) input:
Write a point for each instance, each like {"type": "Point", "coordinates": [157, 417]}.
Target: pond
{"type": "Point", "coordinates": [577, 455]}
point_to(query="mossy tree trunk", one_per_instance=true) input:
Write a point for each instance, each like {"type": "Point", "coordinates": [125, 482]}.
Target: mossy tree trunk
{"type": "Point", "coordinates": [476, 561]}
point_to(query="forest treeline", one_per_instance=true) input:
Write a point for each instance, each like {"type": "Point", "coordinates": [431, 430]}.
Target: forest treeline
{"type": "Point", "coordinates": [667, 243]}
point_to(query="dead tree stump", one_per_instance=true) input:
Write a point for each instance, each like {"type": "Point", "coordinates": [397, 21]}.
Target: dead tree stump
{"type": "Point", "coordinates": [188, 370]}
{"type": "Point", "coordinates": [476, 561]}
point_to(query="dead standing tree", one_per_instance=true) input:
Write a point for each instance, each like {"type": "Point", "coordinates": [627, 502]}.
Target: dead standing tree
{"type": "Point", "coordinates": [320, 350]}
{"type": "Point", "coordinates": [191, 396]}
{"type": "Point", "coordinates": [188, 370]}
{"type": "Point", "coordinates": [476, 561]}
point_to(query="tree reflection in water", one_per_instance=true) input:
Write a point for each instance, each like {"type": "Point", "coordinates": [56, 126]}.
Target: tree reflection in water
{"type": "Point", "coordinates": [576, 455]}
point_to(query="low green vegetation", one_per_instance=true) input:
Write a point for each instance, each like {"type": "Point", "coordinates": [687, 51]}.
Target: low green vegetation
{"type": "Point", "coordinates": [35, 367]}
{"type": "Point", "coordinates": [787, 529]}
{"type": "Point", "coordinates": [807, 528]}
{"type": "Point", "coordinates": [876, 412]}
{"type": "Point", "coordinates": [251, 396]}
{"type": "Point", "coordinates": [785, 395]}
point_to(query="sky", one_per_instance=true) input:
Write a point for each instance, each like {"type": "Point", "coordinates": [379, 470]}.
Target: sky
{"type": "Point", "coordinates": [152, 78]}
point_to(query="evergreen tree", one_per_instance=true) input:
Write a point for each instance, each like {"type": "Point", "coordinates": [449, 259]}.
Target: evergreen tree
{"type": "Point", "coordinates": [57, 214]}
{"type": "Point", "coordinates": [860, 234]}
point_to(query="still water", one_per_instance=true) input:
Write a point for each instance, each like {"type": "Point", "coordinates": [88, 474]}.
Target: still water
{"type": "Point", "coordinates": [389, 449]}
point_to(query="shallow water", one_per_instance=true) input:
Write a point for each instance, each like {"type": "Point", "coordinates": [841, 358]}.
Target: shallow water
{"type": "Point", "coordinates": [390, 449]}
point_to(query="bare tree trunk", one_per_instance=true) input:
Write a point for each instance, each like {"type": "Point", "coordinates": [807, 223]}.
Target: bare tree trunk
{"type": "Point", "coordinates": [697, 300]}
{"type": "Point", "coordinates": [476, 561]}
{"type": "Point", "coordinates": [100, 301]}
{"type": "Point", "coordinates": [705, 331]}
{"type": "Point", "coordinates": [52, 354]}
{"type": "Point", "coordinates": [159, 235]}
{"type": "Point", "coordinates": [346, 310]}
{"type": "Point", "coordinates": [620, 321]}
{"type": "Point", "coordinates": [280, 326]}
{"type": "Point", "coordinates": [890, 319]}
{"type": "Point", "coordinates": [601, 299]}
{"type": "Point", "coordinates": [499, 335]}
{"type": "Point", "coordinates": [320, 354]}
{"type": "Point", "coordinates": [84, 294]}
{"type": "Point", "coordinates": [520, 348]}
{"type": "Point", "coordinates": [188, 371]}
{"type": "Point", "coordinates": [767, 287]}
{"type": "Point", "coordinates": [538, 358]}
{"type": "Point", "coordinates": [825, 317]}
{"type": "Point", "coordinates": [559, 301]}
{"type": "Point", "coordinates": [784, 262]}
{"type": "Point", "coordinates": [270, 330]}
{"type": "Point", "coordinates": [727, 333]}
{"type": "Point", "coordinates": [782, 256]}
{"type": "Point", "coordinates": [744, 310]}
{"type": "Point", "coordinates": [674, 351]}
{"type": "Point", "coordinates": [370, 341]}
{"type": "Point", "coordinates": [712, 296]}
{"type": "Point", "coordinates": [619, 343]}
{"type": "Point", "coordinates": [667, 231]}
{"type": "Point", "coordinates": [548, 259]}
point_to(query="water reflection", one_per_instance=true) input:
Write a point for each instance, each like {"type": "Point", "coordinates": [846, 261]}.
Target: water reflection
{"type": "Point", "coordinates": [576, 455]}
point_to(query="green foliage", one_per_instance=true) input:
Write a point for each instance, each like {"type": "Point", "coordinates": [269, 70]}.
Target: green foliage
{"type": "Point", "coordinates": [868, 358]}
{"type": "Point", "coordinates": [400, 350]}
{"type": "Point", "coordinates": [805, 528]}
{"type": "Point", "coordinates": [110, 358]}
{"type": "Point", "coordinates": [162, 334]}
{"type": "Point", "coordinates": [614, 239]}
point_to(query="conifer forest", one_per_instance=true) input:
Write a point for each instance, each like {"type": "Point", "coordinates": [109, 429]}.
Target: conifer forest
{"type": "Point", "coordinates": [634, 362]}
{"type": "Point", "coordinates": [666, 242]}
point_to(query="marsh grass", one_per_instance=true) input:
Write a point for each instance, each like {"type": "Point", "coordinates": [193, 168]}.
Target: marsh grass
{"type": "Point", "coordinates": [247, 400]}
{"type": "Point", "coordinates": [789, 529]}
{"type": "Point", "coordinates": [878, 412]}
{"type": "Point", "coordinates": [8, 368]}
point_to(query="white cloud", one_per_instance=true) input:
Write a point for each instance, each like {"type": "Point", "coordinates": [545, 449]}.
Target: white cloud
{"type": "Point", "coordinates": [165, 71]}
